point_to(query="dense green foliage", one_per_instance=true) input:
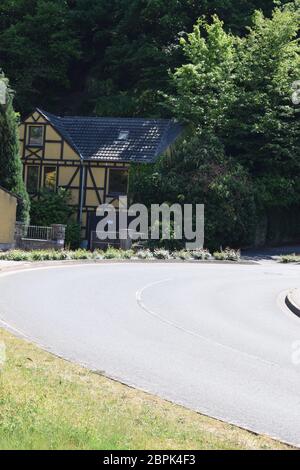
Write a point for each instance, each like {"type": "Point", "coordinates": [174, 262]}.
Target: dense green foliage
{"type": "Point", "coordinates": [94, 56]}
{"type": "Point", "coordinates": [229, 80]}
{"type": "Point", "coordinates": [237, 90]}
{"type": "Point", "coordinates": [10, 162]}
{"type": "Point", "coordinates": [199, 173]}
{"type": "Point", "coordinates": [53, 208]}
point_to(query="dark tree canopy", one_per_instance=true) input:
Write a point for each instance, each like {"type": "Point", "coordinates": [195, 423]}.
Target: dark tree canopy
{"type": "Point", "coordinates": [239, 90]}
{"type": "Point", "coordinates": [95, 56]}
{"type": "Point", "coordinates": [224, 67]}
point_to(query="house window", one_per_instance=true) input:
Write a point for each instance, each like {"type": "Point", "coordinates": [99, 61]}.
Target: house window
{"type": "Point", "coordinates": [118, 182]}
{"type": "Point", "coordinates": [36, 136]}
{"type": "Point", "coordinates": [123, 135]}
{"type": "Point", "coordinates": [50, 177]}
{"type": "Point", "coordinates": [32, 181]}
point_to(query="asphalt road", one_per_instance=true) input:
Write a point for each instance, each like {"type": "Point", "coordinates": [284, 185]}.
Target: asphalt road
{"type": "Point", "coordinates": [214, 338]}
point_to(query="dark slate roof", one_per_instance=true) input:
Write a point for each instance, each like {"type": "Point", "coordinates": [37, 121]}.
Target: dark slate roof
{"type": "Point", "coordinates": [97, 138]}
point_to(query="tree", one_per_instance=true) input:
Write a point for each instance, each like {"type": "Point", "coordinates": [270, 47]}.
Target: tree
{"type": "Point", "coordinates": [262, 130]}
{"type": "Point", "coordinates": [240, 89]}
{"type": "Point", "coordinates": [204, 86]}
{"type": "Point", "coordinates": [81, 56]}
{"type": "Point", "coordinates": [138, 44]}
{"type": "Point", "coordinates": [10, 162]}
{"type": "Point", "coordinates": [199, 173]}
{"type": "Point", "coordinates": [37, 48]}
{"type": "Point", "coordinates": [242, 157]}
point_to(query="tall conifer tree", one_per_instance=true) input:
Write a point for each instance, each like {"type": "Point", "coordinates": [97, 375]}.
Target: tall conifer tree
{"type": "Point", "coordinates": [10, 162]}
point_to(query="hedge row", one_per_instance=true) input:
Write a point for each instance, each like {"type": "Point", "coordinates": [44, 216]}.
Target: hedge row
{"type": "Point", "coordinates": [112, 253]}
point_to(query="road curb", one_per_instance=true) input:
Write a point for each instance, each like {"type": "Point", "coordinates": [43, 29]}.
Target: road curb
{"type": "Point", "coordinates": [292, 303]}
{"type": "Point", "coordinates": [16, 266]}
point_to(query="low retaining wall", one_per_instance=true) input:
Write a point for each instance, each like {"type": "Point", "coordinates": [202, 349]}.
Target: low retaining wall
{"type": "Point", "coordinates": [27, 244]}
{"type": "Point", "coordinates": [7, 246]}
{"type": "Point", "coordinates": [57, 241]}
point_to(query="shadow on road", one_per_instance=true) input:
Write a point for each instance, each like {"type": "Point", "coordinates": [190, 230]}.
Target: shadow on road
{"type": "Point", "coordinates": [272, 253]}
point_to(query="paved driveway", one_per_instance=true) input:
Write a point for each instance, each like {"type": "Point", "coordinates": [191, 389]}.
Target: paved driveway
{"type": "Point", "coordinates": [211, 337]}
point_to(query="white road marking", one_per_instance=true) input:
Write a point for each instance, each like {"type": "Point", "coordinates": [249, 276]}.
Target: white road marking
{"type": "Point", "coordinates": [139, 296]}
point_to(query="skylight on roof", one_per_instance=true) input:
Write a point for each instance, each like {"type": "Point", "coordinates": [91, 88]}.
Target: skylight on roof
{"type": "Point", "coordinates": [123, 135]}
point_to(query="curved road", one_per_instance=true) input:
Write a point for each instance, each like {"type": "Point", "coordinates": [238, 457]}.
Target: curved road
{"type": "Point", "coordinates": [215, 338]}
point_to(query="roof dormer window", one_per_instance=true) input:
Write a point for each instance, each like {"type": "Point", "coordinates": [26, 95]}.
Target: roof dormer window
{"type": "Point", "coordinates": [36, 136]}
{"type": "Point", "coordinates": [123, 135]}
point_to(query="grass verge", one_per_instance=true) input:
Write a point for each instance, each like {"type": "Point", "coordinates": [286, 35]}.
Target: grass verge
{"type": "Point", "coordinates": [48, 403]}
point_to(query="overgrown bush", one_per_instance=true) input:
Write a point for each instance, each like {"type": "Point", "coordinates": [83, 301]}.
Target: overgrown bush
{"type": "Point", "coordinates": [54, 208]}
{"type": "Point", "coordinates": [51, 208]}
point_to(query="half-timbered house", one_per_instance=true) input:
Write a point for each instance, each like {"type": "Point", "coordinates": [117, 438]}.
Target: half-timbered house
{"type": "Point", "coordinates": [89, 156]}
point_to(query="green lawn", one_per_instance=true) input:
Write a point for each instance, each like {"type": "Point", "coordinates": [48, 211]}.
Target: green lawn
{"type": "Point", "coordinates": [47, 403]}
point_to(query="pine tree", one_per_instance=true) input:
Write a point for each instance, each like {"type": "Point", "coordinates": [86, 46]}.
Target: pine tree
{"type": "Point", "coordinates": [10, 162]}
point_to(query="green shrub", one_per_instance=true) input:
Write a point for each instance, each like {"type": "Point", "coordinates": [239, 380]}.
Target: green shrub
{"type": "Point", "coordinates": [228, 255]}
{"type": "Point", "coordinates": [112, 253]}
{"type": "Point", "coordinates": [73, 235]}
{"type": "Point", "coordinates": [144, 254]}
{"type": "Point", "coordinates": [186, 255]}
{"type": "Point", "coordinates": [127, 254]}
{"type": "Point", "coordinates": [182, 254]}
{"type": "Point", "coordinates": [40, 255]}
{"type": "Point", "coordinates": [161, 254]}
{"type": "Point", "coordinates": [98, 255]}
{"type": "Point", "coordinates": [15, 255]}
{"type": "Point", "coordinates": [293, 258]}
{"type": "Point", "coordinates": [53, 208]}
{"type": "Point", "coordinates": [201, 254]}
{"type": "Point", "coordinates": [81, 254]}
